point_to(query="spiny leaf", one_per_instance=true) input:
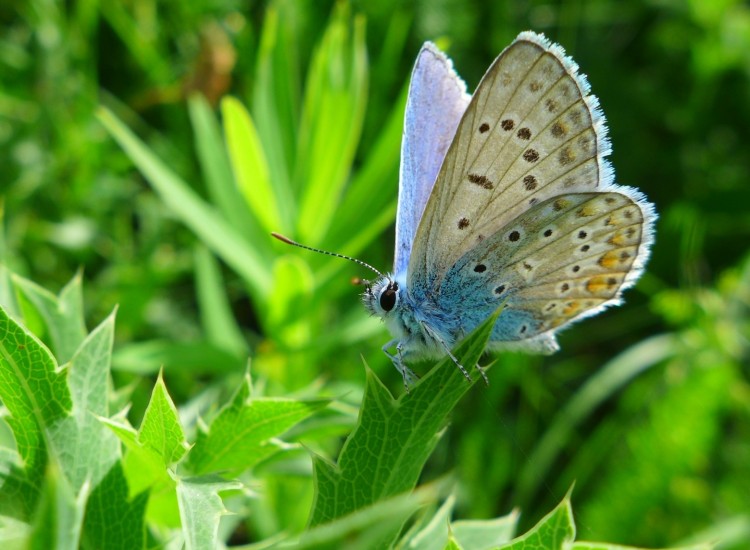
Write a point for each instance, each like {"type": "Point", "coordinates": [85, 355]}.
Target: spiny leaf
{"type": "Point", "coordinates": [201, 509]}
{"type": "Point", "coordinates": [161, 430]}
{"type": "Point", "coordinates": [242, 433]}
{"type": "Point", "coordinates": [385, 453]}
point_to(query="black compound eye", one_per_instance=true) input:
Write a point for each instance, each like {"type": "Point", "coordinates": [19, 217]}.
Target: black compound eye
{"type": "Point", "coordinates": [388, 297]}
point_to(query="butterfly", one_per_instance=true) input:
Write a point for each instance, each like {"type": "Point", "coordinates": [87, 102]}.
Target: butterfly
{"type": "Point", "coordinates": [505, 198]}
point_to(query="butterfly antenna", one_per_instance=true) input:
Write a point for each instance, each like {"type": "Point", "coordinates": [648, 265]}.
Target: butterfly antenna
{"type": "Point", "coordinates": [287, 240]}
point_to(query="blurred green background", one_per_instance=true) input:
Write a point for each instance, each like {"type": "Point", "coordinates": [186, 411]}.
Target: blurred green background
{"type": "Point", "coordinates": [647, 406]}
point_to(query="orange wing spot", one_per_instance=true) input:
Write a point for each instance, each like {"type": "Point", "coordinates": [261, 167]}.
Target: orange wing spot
{"type": "Point", "coordinates": [602, 284]}
{"type": "Point", "coordinates": [587, 210]}
{"type": "Point", "coordinates": [609, 260]}
{"type": "Point", "coordinates": [571, 308]}
{"type": "Point", "coordinates": [560, 204]}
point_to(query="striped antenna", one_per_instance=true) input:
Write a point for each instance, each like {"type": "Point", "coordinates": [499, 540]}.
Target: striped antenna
{"type": "Point", "coordinates": [287, 240]}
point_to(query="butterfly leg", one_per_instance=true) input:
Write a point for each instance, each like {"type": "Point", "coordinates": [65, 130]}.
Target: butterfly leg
{"type": "Point", "coordinates": [398, 361]}
{"type": "Point", "coordinates": [432, 334]}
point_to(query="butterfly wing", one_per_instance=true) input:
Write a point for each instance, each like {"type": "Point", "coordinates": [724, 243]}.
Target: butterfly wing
{"type": "Point", "coordinates": [530, 135]}
{"type": "Point", "coordinates": [437, 99]}
{"type": "Point", "coordinates": [564, 259]}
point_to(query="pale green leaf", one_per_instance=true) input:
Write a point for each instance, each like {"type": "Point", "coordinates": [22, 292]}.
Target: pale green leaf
{"type": "Point", "coordinates": [331, 123]}
{"type": "Point", "coordinates": [251, 168]}
{"type": "Point", "coordinates": [276, 90]}
{"type": "Point", "coordinates": [201, 509]}
{"type": "Point", "coordinates": [58, 520]}
{"type": "Point", "coordinates": [86, 449]}
{"type": "Point", "coordinates": [62, 315]}
{"type": "Point", "coordinates": [217, 172]}
{"type": "Point", "coordinates": [242, 433]}
{"type": "Point", "coordinates": [485, 534]}
{"type": "Point", "coordinates": [161, 430]}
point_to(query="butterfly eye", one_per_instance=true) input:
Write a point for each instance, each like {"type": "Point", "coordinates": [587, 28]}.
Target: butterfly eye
{"type": "Point", "coordinates": [388, 297]}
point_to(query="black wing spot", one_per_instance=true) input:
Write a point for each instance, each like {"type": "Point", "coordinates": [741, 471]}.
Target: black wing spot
{"type": "Point", "coordinates": [531, 155]}
{"type": "Point", "coordinates": [483, 127]}
{"type": "Point", "coordinates": [514, 236]}
{"type": "Point", "coordinates": [480, 268]}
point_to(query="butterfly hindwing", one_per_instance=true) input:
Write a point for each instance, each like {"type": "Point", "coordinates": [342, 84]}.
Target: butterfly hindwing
{"type": "Point", "coordinates": [563, 259]}
{"type": "Point", "coordinates": [437, 99]}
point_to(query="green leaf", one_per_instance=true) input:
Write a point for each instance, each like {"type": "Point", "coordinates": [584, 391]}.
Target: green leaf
{"type": "Point", "coordinates": [58, 520]}
{"type": "Point", "coordinates": [217, 171]}
{"type": "Point", "coordinates": [276, 91]}
{"type": "Point", "coordinates": [113, 521]}
{"type": "Point", "coordinates": [332, 116]}
{"type": "Point", "coordinates": [86, 449]}
{"type": "Point", "coordinates": [440, 532]}
{"type": "Point", "coordinates": [385, 453]}
{"type": "Point", "coordinates": [36, 395]}
{"type": "Point", "coordinates": [489, 533]}
{"type": "Point", "coordinates": [161, 430]}
{"type": "Point", "coordinates": [63, 314]}
{"type": "Point", "coordinates": [371, 527]}
{"type": "Point", "coordinates": [251, 169]}
{"type": "Point", "coordinates": [200, 217]}
{"type": "Point", "coordinates": [218, 320]}
{"type": "Point", "coordinates": [201, 509]}
{"type": "Point", "coordinates": [556, 530]}
{"type": "Point", "coordinates": [242, 433]}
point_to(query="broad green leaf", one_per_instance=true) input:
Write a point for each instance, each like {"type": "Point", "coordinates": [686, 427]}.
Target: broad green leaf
{"type": "Point", "coordinates": [489, 533]}
{"type": "Point", "coordinates": [200, 217]}
{"type": "Point", "coordinates": [373, 190]}
{"type": "Point", "coordinates": [435, 534]}
{"type": "Point", "coordinates": [276, 91]}
{"type": "Point", "coordinates": [331, 123]}
{"type": "Point", "coordinates": [33, 390]}
{"type": "Point", "coordinates": [58, 520]}
{"type": "Point", "coordinates": [288, 315]}
{"type": "Point", "coordinates": [251, 168]}
{"type": "Point", "coordinates": [63, 314]}
{"type": "Point", "coordinates": [371, 527]}
{"type": "Point", "coordinates": [160, 429]}
{"type": "Point", "coordinates": [86, 449]}
{"type": "Point", "coordinates": [217, 318]}
{"type": "Point", "coordinates": [145, 473]}
{"type": "Point", "coordinates": [113, 520]}
{"type": "Point", "coordinates": [217, 171]}
{"type": "Point", "coordinates": [201, 509]}
{"type": "Point", "coordinates": [440, 532]}
{"type": "Point", "coordinates": [556, 530]}
{"type": "Point", "coordinates": [243, 432]}
{"type": "Point", "coordinates": [387, 450]}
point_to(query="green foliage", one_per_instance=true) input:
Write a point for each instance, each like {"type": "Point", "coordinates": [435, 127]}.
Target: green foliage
{"type": "Point", "coordinates": [149, 148]}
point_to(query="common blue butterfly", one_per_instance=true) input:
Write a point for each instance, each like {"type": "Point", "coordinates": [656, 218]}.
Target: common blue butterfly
{"type": "Point", "coordinates": [505, 197]}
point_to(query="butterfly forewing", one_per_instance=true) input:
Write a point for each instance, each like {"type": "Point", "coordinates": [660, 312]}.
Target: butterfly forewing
{"type": "Point", "coordinates": [437, 100]}
{"type": "Point", "coordinates": [529, 133]}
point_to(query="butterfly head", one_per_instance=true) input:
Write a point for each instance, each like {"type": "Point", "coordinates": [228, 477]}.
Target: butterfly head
{"type": "Point", "coordinates": [382, 296]}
